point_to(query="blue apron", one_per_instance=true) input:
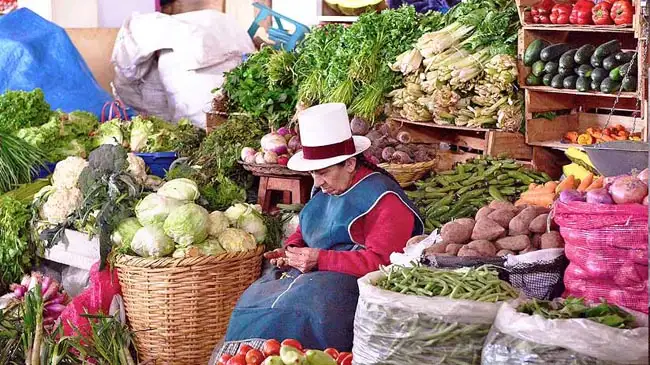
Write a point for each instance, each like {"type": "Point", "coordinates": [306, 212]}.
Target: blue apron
{"type": "Point", "coordinates": [316, 308]}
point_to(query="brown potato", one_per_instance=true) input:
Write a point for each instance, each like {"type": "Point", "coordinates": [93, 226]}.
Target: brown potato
{"type": "Point", "coordinates": [483, 247]}
{"type": "Point", "coordinates": [519, 224]}
{"type": "Point", "coordinates": [483, 213]}
{"type": "Point", "coordinates": [502, 253]}
{"type": "Point", "coordinates": [468, 252]}
{"type": "Point", "coordinates": [502, 216]}
{"type": "Point", "coordinates": [538, 225]}
{"type": "Point", "coordinates": [453, 248]}
{"type": "Point", "coordinates": [527, 250]}
{"type": "Point", "coordinates": [536, 240]}
{"type": "Point", "coordinates": [416, 239]}
{"type": "Point", "coordinates": [551, 239]}
{"type": "Point", "coordinates": [458, 231]}
{"type": "Point", "coordinates": [487, 229]}
{"type": "Point", "coordinates": [513, 243]}
{"type": "Point", "coordinates": [436, 248]}
{"type": "Point", "coordinates": [499, 204]}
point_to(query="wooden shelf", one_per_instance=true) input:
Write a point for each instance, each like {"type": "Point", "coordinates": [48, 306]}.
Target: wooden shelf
{"type": "Point", "coordinates": [548, 89]}
{"type": "Point", "coordinates": [442, 126]}
{"type": "Point", "coordinates": [584, 28]}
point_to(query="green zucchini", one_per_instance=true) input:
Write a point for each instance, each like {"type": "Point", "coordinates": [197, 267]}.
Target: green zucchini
{"type": "Point", "coordinates": [556, 82]}
{"type": "Point", "coordinates": [599, 74]}
{"type": "Point", "coordinates": [566, 60]}
{"type": "Point", "coordinates": [628, 69]}
{"type": "Point", "coordinates": [609, 86]}
{"type": "Point", "coordinates": [624, 57]}
{"type": "Point", "coordinates": [595, 62]}
{"type": "Point", "coordinates": [533, 80]}
{"type": "Point", "coordinates": [538, 68]}
{"type": "Point", "coordinates": [585, 71]}
{"type": "Point", "coordinates": [531, 55]}
{"type": "Point", "coordinates": [546, 80]}
{"type": "Point", "coordinates": [595, 84]}
{"type": "Point", "coordinates": [610, 63]}
{"type": "Point", "coordinates": [554, 52]}
{"type": "Point", "coordinates": [583, 54]}
{"type": "Point", "coordinates": [629, 83]}
{"type": "Point", "coordinates": [608, 48]}
{"type": "Point", "coordinates": [551, 67]}
{"type": "Point", "coordinates": [569, 82]}
{"type": "Point", "coordinates": [583, 84]}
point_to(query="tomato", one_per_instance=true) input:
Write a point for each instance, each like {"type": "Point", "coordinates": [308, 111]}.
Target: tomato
{"type": "Point", "coordinates": [293, 343]}
{"type": "Point", "coordinates": [239, 359]}
{"type": "Point", "coordinates": [243, 350]}
{"type": "Point", "coordinates": [271, 347]}
{"type": "Point", "coordinates": [343, 356]}
{"type": "Point", "coordinates": [254, 357]}
{"type": "Point", "coordinates": [224, 359]}
{"type": "Point", "coordinates": [332, 352]}
{"type": "Point", "coordinates": [347, 360]}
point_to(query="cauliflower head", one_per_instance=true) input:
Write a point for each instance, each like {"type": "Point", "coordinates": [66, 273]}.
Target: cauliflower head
{"type": "Point", "coordinates": [60, 204]}
{"type": "Point", "coordinates": [67, 172]}
{"type": "Point", "coordinates": [137, 168]}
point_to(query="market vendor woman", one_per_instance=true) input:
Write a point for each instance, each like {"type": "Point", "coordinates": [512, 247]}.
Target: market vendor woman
{"type": "Point", "coordinates": [357, 216]}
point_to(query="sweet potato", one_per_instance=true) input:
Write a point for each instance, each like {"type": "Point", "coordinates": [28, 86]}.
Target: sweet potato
{"type": "Point", "coordinates": [436, 248]}
{"type": "Point", "coordinates": [527, 250]}
{"type": "Point", "coordinates": [415, 240]}
{"type": "Point", "coordinates": [536, 240]}
{"type": "Point", "coordinates": [513, 243]}
{"type": "Point", "coordinates": [483, 247]}
{"type": "Point", "coordinates": [453, 248]}
{"type": "Point", "coordinates": [502, 216]}
{"type": "Point", "coordinates": [486, 229]}
{"type": "Point", "coordinates": [551, 239]}
{"type": "Point", "coordinates": [468, 252]}
{"type": "Point", "coordinates": [538, 225]}
{"type": "Point", "coordinates": [458, 231]}
{"type": "Point", "coordinates": [519, 224]}
{"type": "Point", "coordinates": [483, 213]}
{"type": "Point", "coordinates": [502, 253]}
{"type": "Point", "coordinates": [499, 204]}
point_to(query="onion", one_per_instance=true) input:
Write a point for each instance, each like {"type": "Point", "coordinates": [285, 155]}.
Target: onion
{"type": "Point", "coordinates": [643, 176]}
{"type": "Point", "coordinates": [247, 151]}
{"type": "Point", "coordinates": [25, 281]}
{"type": "Point", "coordinates": [59, 298]}
{"type": "Point", "coordinates": [55, 308]}
{"type": "Point", "coordinates": [645, 200]}
{"type": "Point", "coordinates": [567, 196]}
{"type": "Point", "coordinates": [274, 142]}
{"type": "Point", "coordinates": [294, 144]}
{"type": "Point", "coordinates": [19, 291]}
{"type": "Point", "coordinates": [52, 290]}
{"type": "Point", "coordinates": [628, 190]}
{"type": "Point", "coordinates": [599, 196]}
{"type": "Point", "coordinates": [270, 157]}
{"type": "Point", "coordinates": [45, 284]}
{"type": "Point", "coordinates": [259, 158]}
{"type": "Point", "coordinates": [359, 127]}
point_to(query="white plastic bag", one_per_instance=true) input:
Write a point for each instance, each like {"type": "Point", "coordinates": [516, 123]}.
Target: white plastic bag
{"type": "Point", "coordinates": [394, 328]}
{"type": "Point", "coordinates": [519, 338]}
{"type": "Point", "coordinates": [74, 280]}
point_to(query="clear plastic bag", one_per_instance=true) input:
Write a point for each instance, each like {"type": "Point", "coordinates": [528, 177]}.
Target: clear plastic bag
{"type": "Point", "coordinates": [518, 338]}
{"type": "Point", "coordinates": [393, 328]}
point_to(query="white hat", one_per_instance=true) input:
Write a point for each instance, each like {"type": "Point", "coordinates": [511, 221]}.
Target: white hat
{"type": "Point", "coordinates": [326, 138]}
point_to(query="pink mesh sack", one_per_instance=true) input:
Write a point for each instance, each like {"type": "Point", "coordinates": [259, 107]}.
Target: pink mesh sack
{"type": "Point", "coordinates": [607, 247]}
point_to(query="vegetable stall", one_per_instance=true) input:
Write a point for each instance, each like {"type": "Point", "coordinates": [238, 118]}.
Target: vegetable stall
{"type": "Point", "coordinates": [513, 126]}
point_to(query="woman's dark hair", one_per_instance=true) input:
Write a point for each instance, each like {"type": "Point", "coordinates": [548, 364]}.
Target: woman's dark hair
{"type": "Point", "coordinates": [363, 161]}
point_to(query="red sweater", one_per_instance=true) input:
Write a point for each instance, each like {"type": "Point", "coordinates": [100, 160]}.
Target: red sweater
{"type": "Point", "coordinates": [384, 230]}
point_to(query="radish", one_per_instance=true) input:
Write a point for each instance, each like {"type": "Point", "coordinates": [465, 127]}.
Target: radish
{"type": "Point", "coordinates": [246, 152]}
{"type": "Point", "coordinates": [359, 127]}
{"type": "Point", "coordinates": [270, 157]}
{"type": "Point", "coordinates": [273, 142]}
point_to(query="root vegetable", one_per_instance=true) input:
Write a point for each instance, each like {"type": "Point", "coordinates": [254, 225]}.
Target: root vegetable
{"type": "Point", "coordinates": [483, 213]}
{"type": "Point", "coordinates": [404, 137]}
{"type": "Point", "coordinates": [502, 216]}
{"type": "Point", "coordinates": [259, 158]}
{"type": "Point", "coordinates": [599, 196]}
{"type": "Point", "coordinates": [387, 153]}
{"type": "Point", "coordinates": [567, 196]}
{"type": "Point", "coordinates": [538, 225]}
{"type": "Point", "coordinates": [513, 243]}
{"type": "Point", "coordinates": [246, 152]}
{"type": "Point", "coordinates": [502, 253]}
{"type": "Point", "coordinates": [294, 144]}
{"type": "Point", "coordinates": [270, 157]}
{"type": "Point", "coordinates": [499, 204]}
{"type": "Point", "coordinates": [453, 248]}
{"type": "Point", "coordinates": [520, 223]}
{"type": "Point", "coordinates": [403, 148]}
{"type": "Point", "coordinates": [551, 239]}
{"type": "Point", "coordinates": [527, 250]}
{"type": "Point", "coordinates": [375, 138]}
{"type": "Point", "coordinates": [468, 252]}
{"type": "Point", "coordinates": [273, 142]}
{"type": "Point", "coordinates": [400, 157]}
{"type": "Point", "coordinates": [485, 248]}
{"type": "Point", "coordinates": [628, 190]}
{"type": "Point", "coordinates": [458, 231]}
{"type": "Point", "coordinates": [486, 229]}
{"type": "Point", "coordinates": [421, 156]}
{"type": "Point", "coordinates": [436, 248]}
{"type": "Point", "coordinates": [586, 182]}
{"type": "Point", "coordinates": [359, 126]}
{"type": "Point", "coordinates": [643, 175]}
{"type": "Point", "coordinates": [536, 241]}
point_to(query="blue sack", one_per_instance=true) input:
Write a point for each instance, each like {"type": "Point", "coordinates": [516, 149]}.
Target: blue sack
{"type": "Point", "coordinates": [35, 53]}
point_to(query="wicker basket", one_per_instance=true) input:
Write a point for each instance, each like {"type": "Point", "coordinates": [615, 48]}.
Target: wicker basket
{"type": "Point", "coordinates": [179, 309]}
{"type": "Point", "coordinates": [271, 169]}
{"type": "Point", "coordinates": [407, 174]}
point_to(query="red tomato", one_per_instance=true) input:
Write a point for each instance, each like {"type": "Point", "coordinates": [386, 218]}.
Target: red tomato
{"type": "Point", "coordinates": [224, 359]}
{"type": "Point", "coordinates": [239, 359]}
{"type": "Point", "coordinates": [243, 350]}
{"type": "Point", "coordinates": [332, 352]}
{"type": "Point", "coordinates": [293, 343]}
{"type": "Point", "coordinates": [254, 357]}
{"type": "Point", "coordinates": [271, 348]}
{"type": "Point", "coordinates": [347, 360]}
{"type": "Point", "coordinates": [343, 356]}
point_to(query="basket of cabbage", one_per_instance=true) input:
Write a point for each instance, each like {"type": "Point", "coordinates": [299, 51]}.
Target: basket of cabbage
{"type": "Point", "coordinates": [182, 270]}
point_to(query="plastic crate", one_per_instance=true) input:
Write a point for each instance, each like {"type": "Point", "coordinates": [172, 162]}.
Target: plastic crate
{"type": "Point", "coordinates": [44, 171]}
{"type": "Point", "coordinates": [158, 162]}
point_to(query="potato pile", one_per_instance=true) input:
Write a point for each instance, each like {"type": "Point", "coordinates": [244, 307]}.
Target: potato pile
{"type": "Point", "coordinates": [498, 229]}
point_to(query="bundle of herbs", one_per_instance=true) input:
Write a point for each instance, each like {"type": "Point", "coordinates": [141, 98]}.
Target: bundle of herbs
{"type": "Point", "coordinates": [19, 161]}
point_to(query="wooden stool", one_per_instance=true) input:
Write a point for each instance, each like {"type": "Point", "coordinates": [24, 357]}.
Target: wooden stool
{"type": "Point", "coordinates": [295, 189]}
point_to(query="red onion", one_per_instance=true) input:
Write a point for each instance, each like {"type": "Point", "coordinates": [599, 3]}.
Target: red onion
{"type": "Point", "coordinates": [599, 196]}
{"type": "Point", "coordinates": [294, 144]}
{"type": "Point", "coordinates": [45, 284]}
{"type": "Point", "coordinates": [52, 289]}
{"type": "Point", "coordinates": [19, 291]}
{"type": "Point", "coordinates": [628, 190]}
{"type": "Point", "coordinates": [283, 131]}
{"type": "Point", "coordinates": [567, 196]}
{"type": "Point", "coordinates": [25, 281]}
{"type": "Point", "coordinates": [274, 142]}
{"type": "Point", "coordinates": [59, 298]}
{"type": "Point", "coordinates": [55, 308]}
{"type": "Point", "coordinates": [643, 176]}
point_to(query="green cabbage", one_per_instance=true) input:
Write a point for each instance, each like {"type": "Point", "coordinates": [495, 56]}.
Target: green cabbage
{"type": "Point", "coordinates": [154, 209]}
{"type": "Point", "coordinates": [187, 224]}
{"type": "Point", "coordinates": [248, 218]}
{"type": "Point", "coordinates": [151, 241]}
{"type": "Point", "coordinates": [234, 240]}
{"type": "Point", "coordinates": [218, 223]}
{"type": "Point", "coordinates": [180, 189]}
{"type": "Point", "coordinates": [125, 231]}
{"type": "Point", "coordinates": [210, 247]}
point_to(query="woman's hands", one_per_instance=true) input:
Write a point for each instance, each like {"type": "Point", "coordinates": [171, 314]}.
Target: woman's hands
{"type": "Point", "coordinates": [304, 259]}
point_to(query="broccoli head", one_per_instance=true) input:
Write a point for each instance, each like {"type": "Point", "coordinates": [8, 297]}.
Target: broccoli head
{"type": "Point", "coordinates": [108, 159]}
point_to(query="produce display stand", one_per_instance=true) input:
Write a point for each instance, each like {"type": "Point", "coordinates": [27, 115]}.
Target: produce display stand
{"type": "Point", "coordinates": [581, 110]}
{"type": "Point", "coordinates": [295, 186]}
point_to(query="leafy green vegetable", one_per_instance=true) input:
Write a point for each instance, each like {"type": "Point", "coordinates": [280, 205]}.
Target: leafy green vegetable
{"type": "Point", "coordinates": [604, 313]}
{"type": "Point", "coordinates": [15, 251]}
{"type": "Point", "coordinates": [18, 161]}
{"type": "Point", "coordinates": [22, 109]}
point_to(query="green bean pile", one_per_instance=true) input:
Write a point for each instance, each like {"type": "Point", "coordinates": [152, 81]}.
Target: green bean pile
{"type": "Point", "coordinates": [460, 192]}
{"type": "Point", "coordinates": [479, 284]}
